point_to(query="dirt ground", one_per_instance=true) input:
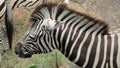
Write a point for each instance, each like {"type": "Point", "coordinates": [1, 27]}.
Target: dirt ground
{"type": "Point", "coordinates": [106, 9]}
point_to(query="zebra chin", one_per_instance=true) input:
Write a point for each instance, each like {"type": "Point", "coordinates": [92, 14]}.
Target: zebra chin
{"type": "Point", "coordinates": [20, 53]}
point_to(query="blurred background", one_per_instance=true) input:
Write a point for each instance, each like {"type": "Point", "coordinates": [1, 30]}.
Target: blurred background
{"type": "Point", "coordinates": [107, 10]}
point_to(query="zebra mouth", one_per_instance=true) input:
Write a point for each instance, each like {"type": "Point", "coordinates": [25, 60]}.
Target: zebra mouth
{"type": "Point", "coordinates": [25, 55]}
{"type": "Point", "coordinates": [21, 53]}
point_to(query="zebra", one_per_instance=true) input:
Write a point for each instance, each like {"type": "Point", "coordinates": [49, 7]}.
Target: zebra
{"type": "Point", "coordinates": [6, 7]}
{"type": "Point", "coordinates": [81, 38]}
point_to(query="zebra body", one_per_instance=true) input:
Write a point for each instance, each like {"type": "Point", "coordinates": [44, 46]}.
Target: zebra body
{"type": "Point", "coordinates": [80, 37]}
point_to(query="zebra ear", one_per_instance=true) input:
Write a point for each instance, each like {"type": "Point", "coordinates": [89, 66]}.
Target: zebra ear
{"type": "Point", "coordinates": [52, 24]}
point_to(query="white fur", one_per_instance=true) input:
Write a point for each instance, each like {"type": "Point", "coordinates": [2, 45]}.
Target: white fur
{"type": "Point", "coordinates": [51, 24]}
{"type": "Point", "coordinates": [66, 1]}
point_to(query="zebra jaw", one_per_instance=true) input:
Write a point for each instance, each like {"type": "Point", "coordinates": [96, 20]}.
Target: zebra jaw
{"type": "Point", "coordinates": [25, 55]}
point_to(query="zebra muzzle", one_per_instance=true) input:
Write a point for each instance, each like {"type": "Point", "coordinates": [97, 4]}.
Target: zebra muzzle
{"type": "Point", "coordinates": [20, 53]}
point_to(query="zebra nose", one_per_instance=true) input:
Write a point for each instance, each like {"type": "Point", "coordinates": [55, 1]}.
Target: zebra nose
{"type": "Point", "coordinates": [20, 53]}
{"type": "Point", "coordinates": [18, 48]}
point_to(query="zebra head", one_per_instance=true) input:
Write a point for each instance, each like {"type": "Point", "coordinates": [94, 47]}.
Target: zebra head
{"type": "Point", "coordinates": [38, 37]}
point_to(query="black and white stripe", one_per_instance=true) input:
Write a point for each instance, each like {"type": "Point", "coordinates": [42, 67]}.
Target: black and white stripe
{"type": "Point", "coordinates": [6, 7]}
{"type": "Point", "coordinates": [12, 4]}
{"type": "Point", "coordinates": [27, 4]}
{"type": "Point", "coordinates": [4, 10]}
{"type": "Point", "coordinates": [80, 37]}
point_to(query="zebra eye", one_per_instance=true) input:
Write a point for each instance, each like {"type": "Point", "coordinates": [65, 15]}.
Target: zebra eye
{"type": "Point", "coordinates": [43, 28]}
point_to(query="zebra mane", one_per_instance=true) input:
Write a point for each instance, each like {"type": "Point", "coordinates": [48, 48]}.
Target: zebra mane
{"type": "Point", "coordinates": [45, 11]}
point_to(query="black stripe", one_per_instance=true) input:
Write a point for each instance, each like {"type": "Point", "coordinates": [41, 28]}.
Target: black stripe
{"type": "Point", "coordinates": [33, 3]}
{"type": "Point", "coordinates": [108, 52]}
{"type": "Point", "coordinates": [66, 15]}
{"type": "Point", "coordinates": [59, 11]}
{"type": "Point", "coordinates": [92, 54]}
{"type": "Point", "coordinates": [21, 3]}
{"type": "Point", "coordinates": [37, 45]}
{"type": "Point", "coordinates": [90, 26]}
{"type": "Point", "coordinates": [115, 51]}
{"type": "Point", "coordinates": [103, 30]}
{"type": "Point", "coordinates": [50, 11]}
{"type": "Point", "coordinates": [26, 48]}
{"type": "Point", "coordinates": [40, 43]}
{"type": "Point", "coordinates": [2, 16]}
{"type": "Point", "coordinates": [75, 50]}
{"type": "Point", "coordinates": [2, 6]}
{"type": "Point", "coordinates": [101, 53]}
{"type": "Point", "coordinates": [66, 34]}
{"type": "Point", "coordinates": [70, 42]}
{"type": "Point", "coordinates": [44, 38]}
{"type": "Point", "coordinates": [33, 46]}
{"type": "Point", "coordinates": [84, 51]}
{"type": "Point", "coordinates": [50, 40]}
{"type": "Point", "coordinates": [54, 39]}
{"type": "Point", "coordinates": [28, 3]}
{"type": "Point", "coordinates": [78, 42]}
{"type": "Point", "coordinates": [59, 36]}
{"type": "Point", "coordinates": [15, 4]}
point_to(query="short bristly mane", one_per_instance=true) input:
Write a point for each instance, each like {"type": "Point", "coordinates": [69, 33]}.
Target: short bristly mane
{"type": "Point", "coordinates": [48, 13]}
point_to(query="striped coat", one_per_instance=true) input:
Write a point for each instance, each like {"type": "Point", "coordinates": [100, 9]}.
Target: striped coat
{"type": "Point", "coordinates": [6, 7]}
{"type": "Point", "coordinates": [80, 37]}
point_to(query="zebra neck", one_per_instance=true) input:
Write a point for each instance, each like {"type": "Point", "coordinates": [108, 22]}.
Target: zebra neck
{"type": "Point", "coordinates": [88, 50]}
